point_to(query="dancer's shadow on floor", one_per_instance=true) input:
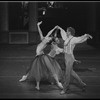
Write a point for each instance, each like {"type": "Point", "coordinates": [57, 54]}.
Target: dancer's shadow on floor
{"type": "Point", "coordinates": [76, 89]}
{"type": "Point", "coordinates": [76, 66]}
{"type": "Point", "coordinates": [79, 68]}
{"type": "Point", "coordinates": [45, 87]}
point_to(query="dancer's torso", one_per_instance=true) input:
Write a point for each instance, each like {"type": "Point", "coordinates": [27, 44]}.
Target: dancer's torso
{"type": "Point", "coordinates": [68, 48]}
{"type": "Point", "coordinates": [54, 50]}
{"type": "Point", "coordinates": [40, 48]}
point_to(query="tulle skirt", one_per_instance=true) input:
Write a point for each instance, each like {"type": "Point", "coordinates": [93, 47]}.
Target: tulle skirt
{"type": "Point", "coordinates": [44, 67]}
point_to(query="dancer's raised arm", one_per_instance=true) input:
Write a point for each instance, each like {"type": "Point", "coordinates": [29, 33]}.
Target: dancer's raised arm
{"type": "Point", "coordinates": [82, 38]}
{"type": "Point", "coordinates": [40, 32]}
{"type": "Point", "coordinates": [63, 33]}
{"type": "Point", "coordinates": [50, 32]}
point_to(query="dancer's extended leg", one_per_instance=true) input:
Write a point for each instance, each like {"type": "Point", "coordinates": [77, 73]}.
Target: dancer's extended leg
{"type": "Point", "coordinates": [58, 83]}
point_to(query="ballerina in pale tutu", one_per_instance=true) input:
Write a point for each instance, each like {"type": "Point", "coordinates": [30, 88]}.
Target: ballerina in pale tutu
{"type": "Point", "coordinates": [44, 66]}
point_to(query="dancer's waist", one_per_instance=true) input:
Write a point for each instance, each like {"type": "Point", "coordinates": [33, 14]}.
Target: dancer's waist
{"type": "Point", "coordinates": [67, 52]}
{"type": "Point", "coordinates": [51, 55]}
{"type": "Point", "coordinates": [40, 53]}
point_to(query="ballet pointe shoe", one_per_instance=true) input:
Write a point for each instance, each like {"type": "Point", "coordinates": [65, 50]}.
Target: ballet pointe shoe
{"type": "Point", "coordinates": [23, 78]}
{"type": "Point", "coordinates": [67, 91]}
{"type": "Point", "coordinates": [83, 87]}
{"type": "Point", "coordinates": [37, 87]}
{"type": "Point", "coordinates": [62, 92]}
{"type": "Point", "coordinates": [60, 85]}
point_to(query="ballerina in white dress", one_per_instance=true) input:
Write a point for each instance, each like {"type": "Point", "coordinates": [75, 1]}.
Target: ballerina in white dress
{"type": "Point", "coordinates": [42, 66]}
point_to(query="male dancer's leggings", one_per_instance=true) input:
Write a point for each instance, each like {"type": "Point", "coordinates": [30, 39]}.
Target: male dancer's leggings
{"type": "Point", "coordinates": [69, 71]}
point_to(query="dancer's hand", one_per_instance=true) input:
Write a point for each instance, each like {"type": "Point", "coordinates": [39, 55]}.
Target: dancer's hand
{"type": "Point", "coordinates": [56, 26]}
{"type": "Point", "coordinates": [89, 36]}
{"type": "Point", "coordinates": [39, 23]}
{"type": "Point", "coordinates": [77, 61]}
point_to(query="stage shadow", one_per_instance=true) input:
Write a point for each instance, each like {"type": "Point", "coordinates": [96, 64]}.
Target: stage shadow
{"type": "Point", "coordinates": [45, 87]}
{"type": "Point", "coordinates": [79, 68]}
{"type": "Point", "coordinates": [76, 67]}
{"type": "Point", "coordinates": [76, 89]}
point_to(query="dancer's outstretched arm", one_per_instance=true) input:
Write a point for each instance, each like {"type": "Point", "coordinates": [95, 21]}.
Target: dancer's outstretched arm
{"type": "Point", "coordinates": [59, 50]}
{"type": "Point", "coordinates": [40, 32]}
{"type": "Point", "coordinates": [82, 38]}
{"type": "Point", "coordinates": [50, 32]}
{"type": "Point", "coordinates": [63, 33]}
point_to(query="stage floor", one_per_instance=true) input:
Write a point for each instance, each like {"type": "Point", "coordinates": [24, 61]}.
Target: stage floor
{"type": "Point", "coordinates": [15, 59]}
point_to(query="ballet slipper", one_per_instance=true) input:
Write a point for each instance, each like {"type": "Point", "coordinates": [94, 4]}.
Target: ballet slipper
{"type": "Point", "coordinates": [38, 88]}
{"type": "Point", "coordinates": [60, 85]}
{"type": "Point", "coordinates": [62, 92]}
{"type": "Point", "coordinates": [67, 91]}
{"type": "Point", "coordinates": [23, 78]}
{"type": "Point", "coordinates": [83, 87]}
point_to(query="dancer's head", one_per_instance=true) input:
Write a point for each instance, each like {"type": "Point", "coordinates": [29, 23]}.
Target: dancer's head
{"type": "Point", "coordinates": [70, 31]}
{"type": "Point", "coordinates": [55, 38]}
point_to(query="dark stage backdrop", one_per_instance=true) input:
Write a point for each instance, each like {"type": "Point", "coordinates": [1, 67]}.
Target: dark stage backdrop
{"type": "Point", "coordinates": [74, 15]}
{"type": "Point", "coordinates": [18, 15]}
{"type": "Point", "coordinates": [83, 16]}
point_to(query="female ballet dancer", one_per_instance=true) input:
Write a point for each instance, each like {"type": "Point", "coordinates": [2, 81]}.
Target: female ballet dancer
{"type": "Point", "coordinates": [42, 66]}
{"type": "Point", "coordinates": [55, 50]}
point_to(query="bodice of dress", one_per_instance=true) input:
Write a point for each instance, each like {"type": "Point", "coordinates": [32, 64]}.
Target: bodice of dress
{"type": "Point", "coordinates": [40, 48]}
{"type": "Point", "coordinates": [55, 50]}
{"type": "Point", "coordinates": [42, 45]}
{"type": "Point", "coordinates": [52, 53]}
